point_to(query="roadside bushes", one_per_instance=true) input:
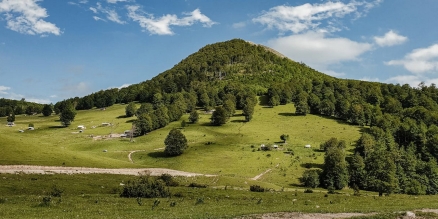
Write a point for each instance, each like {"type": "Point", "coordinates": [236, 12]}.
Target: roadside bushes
{"type": "Point", "coordinates": [256, 188]}
{"type": "Point", "coordinates": [148, 187]}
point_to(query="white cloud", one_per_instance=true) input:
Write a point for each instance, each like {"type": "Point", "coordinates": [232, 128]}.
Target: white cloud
{"type": "Point", "coordinates": [3, 89]}
{"type": "Point", "coordinates": [422, 60]}
{"type": "Point", "coordinates": [111, 14]}
{"type": "Point", "coordinates": [98, 18]}
{"type": "Point", "coordinates": [391, 38]}
{"type": "Point", "coordinates": [370, 79]}
{"type": "Point", "coordinates": [239, 25]}
{"type": "Point", "coordinates": [94, 10]}
{"type": "Point", "coordinates": [319, 51]}
{"type": "Point", "coordinates": [298, 19]}
{"type": "Point", "coordinates": [161, 25]}
{"type": "Point", "coordinates": [27, 17]}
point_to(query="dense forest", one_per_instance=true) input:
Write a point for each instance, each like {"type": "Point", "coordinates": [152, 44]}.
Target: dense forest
{"type": "Point", "coordinates": [398, 153]}
{"type": "Point", "coordinates": [18, 107]}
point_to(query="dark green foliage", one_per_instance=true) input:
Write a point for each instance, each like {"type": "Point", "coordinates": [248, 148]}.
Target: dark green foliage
{"type": "Point", "coordinates": [47, 110]}
{"type": "Point", "coordinates": [183, 124]}
{"type": "Point", "coordinates": [67, 115]}
{"type": "Point", "coordinates": [31, 125]}
{"type": "Point", "coordinates": [284, 137]}
{"type": "Point", "coordinates": [194, 116]}
{"type": "Point", "coordinates": [143, 125]}
{"type": "Point", "coordinates": [310, 178]}
{"type": "Point", "coordinates": [335, 172]}
{"type": "Point", "coordinates": [256, 188]}
{"type": "Point", "coordinates": [145, 187]}
{"type": "Point", "coordinates": [357, 173]}
{"type": "Point", "coordinates": [219, 117]}
{"type": "Point", "coordinates": [332, 143]}
{"type": "Point", "coordinates": [302, 108]}
{"type": "Point", "coordinates": [130, 109]}
{"type": "Point", "coordinates": [11, 118]}
{"type": "Point", "coordinates": [175, 143]}
{"type": "Point", "coordinates": [168, 179]}
{"type": "Point", "coordinates": [381, 173]}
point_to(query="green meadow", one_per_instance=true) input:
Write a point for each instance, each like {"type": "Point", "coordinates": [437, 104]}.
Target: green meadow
{"type": "Point", "coordinates": [231, 152]}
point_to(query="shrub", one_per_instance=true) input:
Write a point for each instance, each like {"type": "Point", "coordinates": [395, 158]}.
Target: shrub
{"type": "Point", "coordinates": [31, 125]}
{"type": "Point", "coordinates": [145, 187]}
{"type": "Point", "coordinates": [56, 192]}
{"type": "Point", "coordinates": [256, 188]}
{"type": "Point", "coordinates": [168, 179]}
{"type": "Point", "coordinates": [308, 191]}
{"type": "Point", "coordinates": [310, 178]}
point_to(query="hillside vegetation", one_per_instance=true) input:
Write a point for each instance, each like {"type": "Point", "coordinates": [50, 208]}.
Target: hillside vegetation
{"type": "Point", "coordinates": [377, 137]}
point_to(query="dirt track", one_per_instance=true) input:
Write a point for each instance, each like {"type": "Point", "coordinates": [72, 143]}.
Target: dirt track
{"type": "Point", "coordinates": [85, 170]}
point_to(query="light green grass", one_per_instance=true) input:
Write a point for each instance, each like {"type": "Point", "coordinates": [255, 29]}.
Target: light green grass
{"type": "Point", "coordinates": [233, 152]}
{"type": "Point", "coordinates": [97, 196]}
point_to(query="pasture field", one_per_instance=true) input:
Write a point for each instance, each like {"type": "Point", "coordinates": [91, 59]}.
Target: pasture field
{"type": "Point", "coordinates": [230, 150]}
{"type": "Point", "coordinates": [97, 196]}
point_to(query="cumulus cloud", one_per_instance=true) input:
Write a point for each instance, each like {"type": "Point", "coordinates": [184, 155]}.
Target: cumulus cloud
{"type": "Point", "coordinates": [27, 17]}
{"type": "Point", "coordinates": [161, 25]}
{"type": "Point", "coordinates": [317, 50]}
{"type": "Point", "coordinates": [3, 89]}
{"type": "Point", "coordinates": [422, 60]}
{"type": "Point", "coordinates": [111, 14]}
{"type": "Point", "coordinates": [321, 17]}
{"type": "Point", "coordinates": [391, 38]}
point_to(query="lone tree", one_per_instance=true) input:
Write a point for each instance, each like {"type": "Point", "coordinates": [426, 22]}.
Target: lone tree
{"type": "Point", "coordinates": [175, 143]}
{"type": "Point", "coordinates": [11, 118]}
{"type": "Point", "coordinates": [284, 137]}
{"type": "Point", "coordinates": [310, 178]}
{"type": "Point", "coordinates": [220, 116]}
{"type": "Point", "coordinates": [130, 109]}
{"type": "Point", "coordinates": [47, 110]}
{"type": "Point", "coordinates": [194, 116]}
{"type": "Point", "coordinates": [67, 115]}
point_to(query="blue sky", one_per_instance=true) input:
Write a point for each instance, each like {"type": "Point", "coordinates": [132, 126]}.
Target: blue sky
{"type": "Point", "coordinates": [51, 50]}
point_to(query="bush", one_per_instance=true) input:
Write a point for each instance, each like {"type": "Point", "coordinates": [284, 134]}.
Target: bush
{"type": "Point", "coordinates": [310, 178]}
{"type": "Point", "coordinates": [168, 179]}
{"type": "Point", "coordinates": [56, 192]}
{"type": "Point", "coordinates": [31, 125]}
{"type": "Point", "coordinates": [308, 191]}
{"type": "Point", "coordinates": [256, 188]}
{"type": "Point", "coordinates": [145, 187]}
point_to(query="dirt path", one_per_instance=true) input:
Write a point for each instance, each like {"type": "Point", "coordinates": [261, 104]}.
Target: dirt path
{"type": "Point", "coordinates": [130, 154]}
{"type": "Point", "coordinates": [12, 169]}
{"type": "Point", "coordinates": [300, 215]}
{"type": "Point", "coordinates": [262, 174]}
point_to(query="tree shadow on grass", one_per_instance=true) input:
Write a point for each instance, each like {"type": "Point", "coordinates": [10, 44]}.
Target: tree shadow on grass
{"type": "Point", "coordinates": [312, 165]}
{"type": "Point", "coordinates": [130, 121]}
{"type": "Point", "coordinates": [158, 154]}
{"type": "Point", "coordinates": [289, 114]}
{"type": "Point", "coordinates": [121, 117]}
{"type": "Point", "coordinates": [57, 127]}
{"type": "Point", "coordinates": [238, 121]}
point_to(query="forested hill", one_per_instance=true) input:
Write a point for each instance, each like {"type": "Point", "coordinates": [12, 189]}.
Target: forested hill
{"type": "Point", "coordinates": [397, 153]}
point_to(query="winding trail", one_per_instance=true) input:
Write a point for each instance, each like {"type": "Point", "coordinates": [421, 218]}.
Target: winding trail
{"type": "Point", "coordinates": [28, 169]}
{"type": "Point", "coordinates": [130, 153]}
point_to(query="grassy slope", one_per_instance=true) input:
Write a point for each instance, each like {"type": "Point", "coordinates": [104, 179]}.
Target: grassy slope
{"type": "Point", "coordinates": [230, 154]}
{"type": "Point", "coordinates": [96, 196]}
